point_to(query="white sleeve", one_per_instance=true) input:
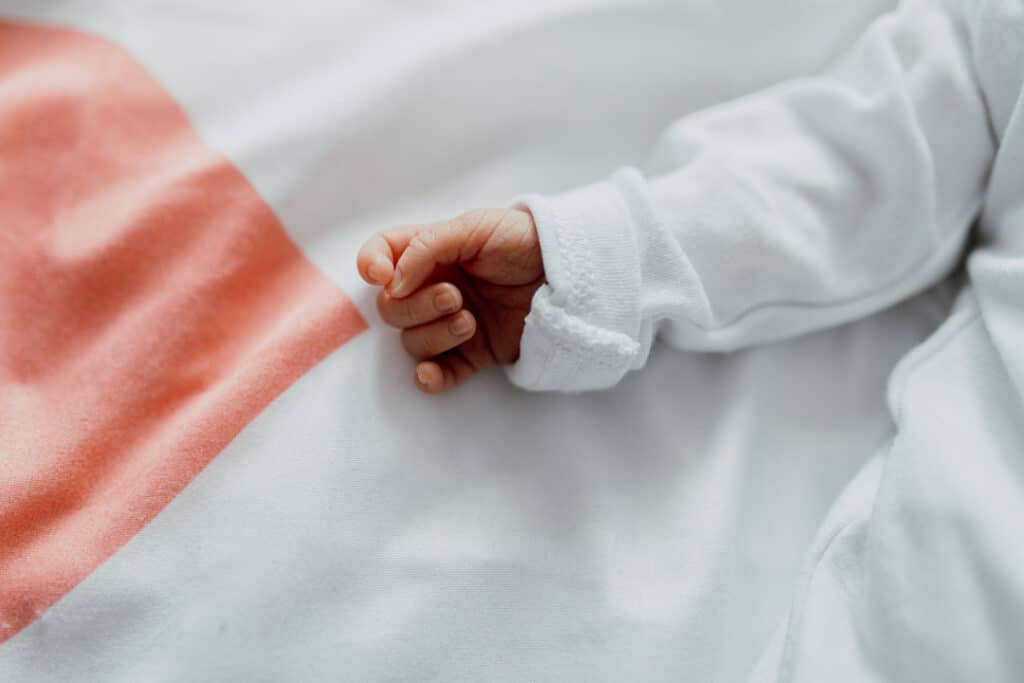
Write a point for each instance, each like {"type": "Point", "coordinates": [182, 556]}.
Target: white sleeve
{"type": "Point", "coordinates": [804, 206]}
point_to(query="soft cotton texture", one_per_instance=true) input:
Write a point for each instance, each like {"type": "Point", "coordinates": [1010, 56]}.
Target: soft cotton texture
{"type": "Point", "coordinates": [652, 532]}
{"type": "Point", "coordinates": [811, 204]}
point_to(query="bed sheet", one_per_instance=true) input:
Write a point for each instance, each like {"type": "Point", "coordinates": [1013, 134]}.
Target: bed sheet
{"type": "Point", "coordinates": [357, 530]}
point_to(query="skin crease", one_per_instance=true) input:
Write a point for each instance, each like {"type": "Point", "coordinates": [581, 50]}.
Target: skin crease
{"type": "Point", "coordinates": [459, 290]}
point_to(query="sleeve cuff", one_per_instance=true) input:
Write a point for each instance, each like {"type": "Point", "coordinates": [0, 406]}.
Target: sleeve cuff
{"type": "Point", "coordinates": [583, 328]}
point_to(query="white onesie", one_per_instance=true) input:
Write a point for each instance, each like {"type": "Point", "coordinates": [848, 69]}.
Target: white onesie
{"type": "Point", "coordinates": [812, 204]}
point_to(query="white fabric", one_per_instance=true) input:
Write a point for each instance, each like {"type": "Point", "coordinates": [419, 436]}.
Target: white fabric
{"type": "Point", "coordinates": [812, 204]}
{"type": "Point", "coordinates": [359, 531]}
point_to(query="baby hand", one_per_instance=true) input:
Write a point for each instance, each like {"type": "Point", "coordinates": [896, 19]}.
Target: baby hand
{"type": "Point", "coordinates": [459, 290]}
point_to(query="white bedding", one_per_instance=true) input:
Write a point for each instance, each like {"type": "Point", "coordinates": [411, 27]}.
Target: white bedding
{"type": "Point", "coordinates": [357, 530]}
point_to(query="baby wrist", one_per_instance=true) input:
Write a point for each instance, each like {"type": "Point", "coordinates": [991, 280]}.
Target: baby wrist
{"type": "Point", "coordinates": [583, 328]}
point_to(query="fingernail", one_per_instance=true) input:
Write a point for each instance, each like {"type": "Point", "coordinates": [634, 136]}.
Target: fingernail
{"type": "Point", "coordinates": [379, 271]}
{"type": "Point", "coordinates": [444, 302]}
{"type": "Point", "coordinates": [460, 325]}
{"type": "Point", "coordinates": [422, 376]}
{"type": "Point", "coordinates": [396, 281]}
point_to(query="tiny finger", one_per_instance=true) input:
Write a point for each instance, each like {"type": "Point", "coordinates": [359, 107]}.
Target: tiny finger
{"type": "Point", "coordinates": [439, 336]}
{"type": "Point", "coordinates": [437, 244]}
{"type": "Point", "coordinates": [378, 255]}
{"type": "Point", "coordinates": [426, 305]}
{"type": "Point", "coordinates": [375, 261]}
{"type": "Point", "coordinates": [443, 373]}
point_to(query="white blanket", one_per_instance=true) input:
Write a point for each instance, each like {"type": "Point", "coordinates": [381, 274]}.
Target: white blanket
{"type": "Point", "coordinates": [357, 530]}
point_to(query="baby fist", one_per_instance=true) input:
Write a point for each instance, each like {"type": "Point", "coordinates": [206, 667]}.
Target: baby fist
{"type": "Point", "coordinates": [459, 290]}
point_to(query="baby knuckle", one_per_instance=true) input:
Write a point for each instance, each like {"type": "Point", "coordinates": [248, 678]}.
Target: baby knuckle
{"type": "Point", "coordinates": [432, 345]}
{"type": "Point", "coordinates": [504, 219]}
{"type": "Point", "coordinates": [424, 240]}
{"type": "Point", "coordinates": [410, 310]}
{"type": "Point", "coordinates": [471, 224]}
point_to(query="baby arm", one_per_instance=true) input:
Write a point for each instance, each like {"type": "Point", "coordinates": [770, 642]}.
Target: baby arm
{"type": "Point", "coordinates": [805, 206]}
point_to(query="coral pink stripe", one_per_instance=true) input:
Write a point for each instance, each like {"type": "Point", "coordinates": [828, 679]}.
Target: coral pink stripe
{"type": "Point", "coordinates": [150, 306]}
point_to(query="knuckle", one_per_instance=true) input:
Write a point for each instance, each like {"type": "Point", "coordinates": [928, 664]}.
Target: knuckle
{"type": "Point", "coordinates": [409, 309]}
{"type": "Point", "coordinates": [477, 227]}
{"type": "Point", "coordinates": [430, 345]}
{"type": "Point", "coordinates": [424, 240]}
{"type": "Point", "coordinates": [470, 224]}
{"type": "Point", "coordinates": [418, 343]}
{"type": "Point", "coordinates": [504, 219]}
{"type": "Point", "coordinates": [472, 220]}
